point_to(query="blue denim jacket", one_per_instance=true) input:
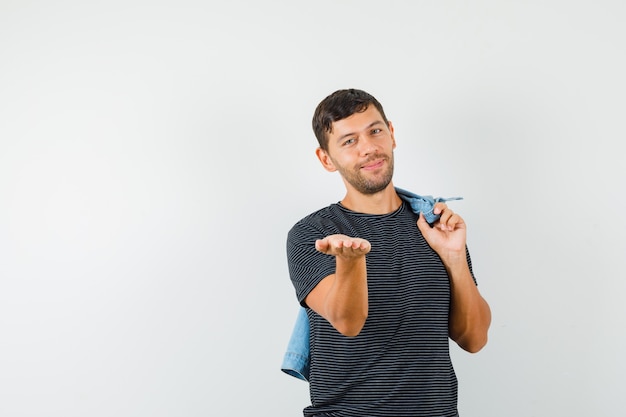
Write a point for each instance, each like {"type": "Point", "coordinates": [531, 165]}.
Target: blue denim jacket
{"type": "Point", "coordinates": [296, 359]}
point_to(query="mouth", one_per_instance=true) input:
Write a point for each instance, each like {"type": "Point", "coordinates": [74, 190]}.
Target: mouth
{"type": "Point", "coordinates": [375, 164]}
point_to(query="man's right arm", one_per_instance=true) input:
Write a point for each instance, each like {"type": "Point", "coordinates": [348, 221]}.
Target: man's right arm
{"type": "Point", "coordinates": [341, 298]}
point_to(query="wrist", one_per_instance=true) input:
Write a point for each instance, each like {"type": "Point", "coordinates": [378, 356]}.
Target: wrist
{"type": "Point", "coordinates": [455, 263]}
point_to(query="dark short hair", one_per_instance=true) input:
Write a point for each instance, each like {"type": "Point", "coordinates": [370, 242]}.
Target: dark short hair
{"type": "Point", "coordinates": [340, 105]}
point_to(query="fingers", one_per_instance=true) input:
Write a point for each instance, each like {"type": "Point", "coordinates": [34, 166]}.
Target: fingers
{"type": "Point", "coordinates": [448, 220]}
{"type": "Point", "coordinates": [341, 245]}
{"type": "Point", "coordinates": [445, 216]}
{"type": "Point", "coordinates": [439, 207]}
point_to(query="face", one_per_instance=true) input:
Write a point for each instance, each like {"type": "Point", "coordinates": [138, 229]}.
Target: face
{"type": "Point", "coordinates": [361, 148]}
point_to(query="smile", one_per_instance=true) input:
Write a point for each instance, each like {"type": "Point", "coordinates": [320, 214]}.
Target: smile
{"type": "Point", "coordinates": [374, 164]}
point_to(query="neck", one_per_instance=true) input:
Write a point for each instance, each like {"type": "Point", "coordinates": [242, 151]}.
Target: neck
{"type": "Point", "coordinates": [382, 202]}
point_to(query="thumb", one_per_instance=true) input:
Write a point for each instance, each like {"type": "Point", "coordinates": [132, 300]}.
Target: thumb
{"type": "Point", "coordinates": [428, 231]}
{"type": "Point", "coordinates": [422, 224]}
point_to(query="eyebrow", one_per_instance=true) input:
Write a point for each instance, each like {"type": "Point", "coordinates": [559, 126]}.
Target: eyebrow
{"type": "Point", "coordinates": [377, 122]}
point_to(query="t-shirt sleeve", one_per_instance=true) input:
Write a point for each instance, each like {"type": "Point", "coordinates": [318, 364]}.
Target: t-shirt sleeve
{"type": "Point", "coordinates": [307, 266]}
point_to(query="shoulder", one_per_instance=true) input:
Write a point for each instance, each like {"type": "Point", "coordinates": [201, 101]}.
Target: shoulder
{"type": "Point", "coordinates": [319, 219]}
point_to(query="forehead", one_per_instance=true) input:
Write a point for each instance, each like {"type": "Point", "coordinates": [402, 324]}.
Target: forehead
{"type": "Point", "coordinates": [356, 122]}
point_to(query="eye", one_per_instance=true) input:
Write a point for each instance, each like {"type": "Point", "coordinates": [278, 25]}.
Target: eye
{"type": "Point", "coordinates": [376, 131]}
{"type": "Point", "coordinates": [349, 142]}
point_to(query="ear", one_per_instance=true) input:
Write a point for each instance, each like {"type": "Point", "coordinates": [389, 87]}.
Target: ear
{"type": "Point", "coordinates": [393, 138]}
{"type": "Point", "coordinates": [324, 158]}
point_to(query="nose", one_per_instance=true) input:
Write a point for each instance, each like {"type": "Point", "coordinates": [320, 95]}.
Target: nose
{"type": "Point", "coordinates": [367, 145]}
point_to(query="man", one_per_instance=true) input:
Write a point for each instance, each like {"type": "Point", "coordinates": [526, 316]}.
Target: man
{"type": "Point", "coordinates": [383, 289]}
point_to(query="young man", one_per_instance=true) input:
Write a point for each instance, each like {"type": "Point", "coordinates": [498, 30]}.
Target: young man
{"type": "Point", "coordinates": [383, 289]}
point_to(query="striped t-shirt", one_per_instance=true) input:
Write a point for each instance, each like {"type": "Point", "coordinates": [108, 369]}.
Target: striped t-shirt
{"type": "Point", "coordinates": [399, 364]}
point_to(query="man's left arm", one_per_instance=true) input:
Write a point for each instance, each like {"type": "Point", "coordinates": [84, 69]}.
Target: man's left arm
{"type": "Point", "coordinates": [470, 315]}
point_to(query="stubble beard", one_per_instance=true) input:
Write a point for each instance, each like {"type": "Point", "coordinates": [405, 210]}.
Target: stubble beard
{"type": "Point", "coordinates": [371, 185]}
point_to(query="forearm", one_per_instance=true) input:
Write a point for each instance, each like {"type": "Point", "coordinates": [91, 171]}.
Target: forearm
{"type": "Point", "coordinates": [470, 315]}
{"type": "Point", "coordinates": [341, 298]}
{"type": "Point", "coordinates": [346, 302]}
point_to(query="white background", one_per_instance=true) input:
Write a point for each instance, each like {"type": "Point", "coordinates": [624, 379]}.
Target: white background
{"type": "Point", "coordinates": [154, 154]}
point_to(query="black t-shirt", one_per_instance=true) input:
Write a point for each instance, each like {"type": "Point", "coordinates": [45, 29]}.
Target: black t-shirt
{"type": "Point", "coordinates": [399, 364]}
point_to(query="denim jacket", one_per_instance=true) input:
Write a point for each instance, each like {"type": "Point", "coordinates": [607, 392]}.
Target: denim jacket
{"type": "Point", "coordinates": [296, 358]}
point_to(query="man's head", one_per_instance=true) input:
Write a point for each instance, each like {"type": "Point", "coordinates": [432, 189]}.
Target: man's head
{"type": "Point", "coordinates": [356, 139]}
{"type": "Point", "coordinates": [340, 105]}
